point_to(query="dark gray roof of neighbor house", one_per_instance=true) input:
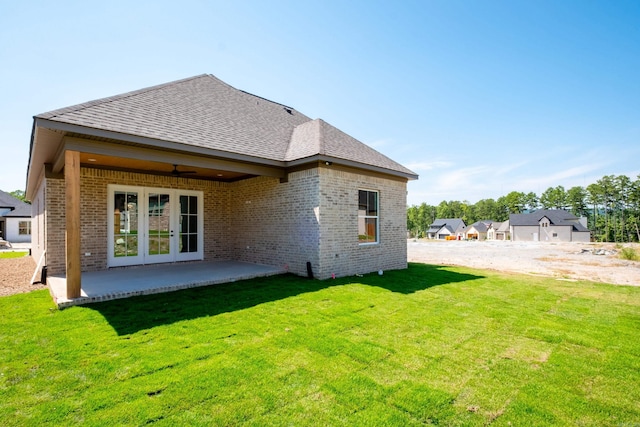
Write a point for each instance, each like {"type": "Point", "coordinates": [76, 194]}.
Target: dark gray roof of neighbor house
{"type": "Point", "coordinates": [7, 200]}
{"type": "Point", "coordinates": [481, 226]}
{"type": "Point", "coordinates": [504, 226]}
{"type": "Point", "coordinates": [17, 206]}
{"type": "Point", "coordinates": [22, 211]}
{"type": "Point", "coordinates": [203, 111]}
{"type": "Point", "coordinates": [555, 216]}
{"type": "Point", "coordinates": [452, 224]}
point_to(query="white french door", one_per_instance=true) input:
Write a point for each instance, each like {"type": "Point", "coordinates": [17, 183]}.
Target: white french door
{"type": "Point", "coordinates": [153, 225]}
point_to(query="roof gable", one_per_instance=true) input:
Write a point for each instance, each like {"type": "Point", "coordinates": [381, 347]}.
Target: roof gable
{"type": "Point", "coordinates": [556, 217]}
{"type": "Point", "coordinates": [21, 211]}
{"type": "Point", "coordinates": [8, 201]}
{"type": "Point", "coordinates": [317, 137]}
{"type": "Point", "coordinates": [17, 206]}
{"type": "Point", "coordinates": [452, 224]}
{"type": "Point", "coordinates": [481, 226]}
{"type": "Point", "coordinates": [202, 111]}
{"type": "Point", "coordinates": [205, 112]}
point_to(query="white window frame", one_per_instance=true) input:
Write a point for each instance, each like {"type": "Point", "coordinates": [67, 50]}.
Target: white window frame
{"type": "Point", "coordinates": [143, 223]}
{"type": "Point", "coordinates": [27, 228]}
{"type": "Point", "coordinates": [365, 217]}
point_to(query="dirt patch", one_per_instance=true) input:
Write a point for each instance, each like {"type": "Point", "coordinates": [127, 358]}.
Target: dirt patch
{"type": "Point", "coordinates": [15, 275]}
{"type": "Point", "coordinates": [597, 262]}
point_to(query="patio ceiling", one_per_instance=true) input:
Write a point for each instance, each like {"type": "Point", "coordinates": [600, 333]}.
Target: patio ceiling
{"type": "Point", "coordinates": [101, 161]}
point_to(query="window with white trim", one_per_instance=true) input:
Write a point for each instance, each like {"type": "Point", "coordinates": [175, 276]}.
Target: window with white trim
{"type": "Point", "coordinates": [368, 217]}
{"type": "Point", "coordinates": [24, 228]}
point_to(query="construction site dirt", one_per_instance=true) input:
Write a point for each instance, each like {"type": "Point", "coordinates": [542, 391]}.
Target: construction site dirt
{"type": "Point", "coordinates": [599, 262]}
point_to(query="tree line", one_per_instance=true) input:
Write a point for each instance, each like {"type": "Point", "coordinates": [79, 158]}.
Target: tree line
{"type": "Point", "coordinates": [611, 205]}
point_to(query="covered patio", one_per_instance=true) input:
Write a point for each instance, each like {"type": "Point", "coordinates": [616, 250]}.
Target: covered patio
{"type": "Point", "coordinates": [151, 279]}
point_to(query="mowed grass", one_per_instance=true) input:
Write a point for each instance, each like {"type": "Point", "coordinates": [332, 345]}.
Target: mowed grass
{"type": "Point", "coordinates": [428, 345]}
{"type": "Point", "coordinates": [13, 254]}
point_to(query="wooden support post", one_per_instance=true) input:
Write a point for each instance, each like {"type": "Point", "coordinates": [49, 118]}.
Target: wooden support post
{"type": "Point", "coordinates": [72, 216]}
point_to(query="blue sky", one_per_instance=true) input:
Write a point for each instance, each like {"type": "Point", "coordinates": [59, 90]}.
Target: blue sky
{"type": "Point", "coordinates": [480, 98]}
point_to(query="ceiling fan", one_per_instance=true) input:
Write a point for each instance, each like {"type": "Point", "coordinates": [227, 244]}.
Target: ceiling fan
{"type": "Point", "coordinates": [176, 172]}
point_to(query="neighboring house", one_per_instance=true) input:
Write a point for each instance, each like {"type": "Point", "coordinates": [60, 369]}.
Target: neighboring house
{"type": "Point", "coordinates": [492, 231]}
{"type": "Point", "coordinates": [503, 232]}
{"type": "Point", "coordinates": [444, 228]}
{"type": "Point", "coordinates": [549, 226]}
{"type": "Point", "coordinates": [198, 170]}
{"type": "Point", "coordinates": [15, 219]}
{"type": "Point", "coordinates": [478, 230]}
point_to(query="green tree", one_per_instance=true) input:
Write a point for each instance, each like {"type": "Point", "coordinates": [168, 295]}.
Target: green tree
{"type": "Point", "coordinates": [634, 207]}
{"type": "Point", "coordinates": [607, 190]}
{"type": "Point", "coordinates": [450, 209]}
{"type": "Point", "coordinates": [577, 201]}
{"type": "Point", "coordinates": [515, 202]}
{"type": "Point", "coordinates": [412, 220]}
{"type": "Point", "coordinates": [554, 198]}
{"type": "Point", "coordinates": [18, 194]}
{"type": "Point", "coordinates": [595, 197]}
{"type": "Point", "coordinates": [490, 209]}
{"type": "Point", "coordinates": [531, 201]}
{"type": "Point", "coordinates": [622, 185]}
{"type": "Point", "coordinates": [419, 218]}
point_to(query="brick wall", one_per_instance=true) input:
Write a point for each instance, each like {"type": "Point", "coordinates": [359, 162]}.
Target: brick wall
{"type": "Point", "coordinates": [310, 218]}
{"type": "Point", "coordinates": [55, 225]}
{"type": "Point", "coordinates": [275, 223]}
{"type": "Point", "coordinates": [314, 217]}
{"type": "Point", "coordinates": [93, 214]}
{"type": "Point", "coordinates": [340, 252]}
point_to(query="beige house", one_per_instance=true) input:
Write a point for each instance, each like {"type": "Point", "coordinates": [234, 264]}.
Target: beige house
{"type": "Point", "coordinates": [196, 170]}
{"type": "Point", "coordinates": [499, 231]}
{"type": "Point", "coordinates": [478, 230]}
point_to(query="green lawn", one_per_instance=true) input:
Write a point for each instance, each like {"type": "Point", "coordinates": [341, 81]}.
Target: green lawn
{"type": "Point", "coordinates": [13, 254]}
{"type": "Point", "coordinates": [429, 345]}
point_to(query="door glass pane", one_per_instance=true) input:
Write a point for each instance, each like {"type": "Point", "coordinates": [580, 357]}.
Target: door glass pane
{"type": "Point", "coordinates": [125, 224]}
{"type": "Point", "coordinates": [159, 224]}
{"type": "Point", "coordinates": [184, 205]}
{"type": "Point", "coordinates": [188, 224]}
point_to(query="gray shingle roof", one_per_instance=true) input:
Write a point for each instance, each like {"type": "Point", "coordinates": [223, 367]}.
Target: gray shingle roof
{"type": "Point", "coordinates": [452, 224]}
{"type": "Point", "coordinates": [18, 207]}
{"type": "Point", "coordinates": [504, 226]}
{"type": "Point", "coordinates": [203, 111]}
{"type": "Point", "coordinates": [22, 211]}
{"type": "Point", "coordinates": [481, 226]}
{"type": "Point", "coordinates": [555, 216]}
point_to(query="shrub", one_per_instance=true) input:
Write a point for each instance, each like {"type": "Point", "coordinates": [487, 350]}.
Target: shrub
{"type": "Point", "coordinates": [629, 254]}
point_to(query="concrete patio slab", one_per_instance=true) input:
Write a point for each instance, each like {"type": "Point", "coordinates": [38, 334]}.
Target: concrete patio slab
{"type": "Point", "coordinates": [152, 279]}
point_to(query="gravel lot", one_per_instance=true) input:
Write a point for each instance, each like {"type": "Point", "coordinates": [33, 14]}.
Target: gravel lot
{"type": "Point", "coordinates": [15, 275]}
{"type": "Point", "coordinates": [562, 260]}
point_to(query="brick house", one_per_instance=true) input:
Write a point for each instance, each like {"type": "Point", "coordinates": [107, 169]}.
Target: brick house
{"type": "Point", "coordinates": [196, 170]}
